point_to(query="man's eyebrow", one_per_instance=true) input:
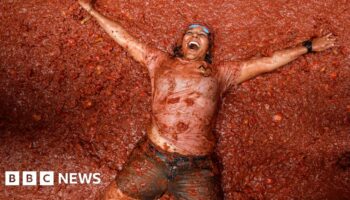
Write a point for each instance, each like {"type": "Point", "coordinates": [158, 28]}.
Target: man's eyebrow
{"type": "Point", "coordinates": [191, 31]}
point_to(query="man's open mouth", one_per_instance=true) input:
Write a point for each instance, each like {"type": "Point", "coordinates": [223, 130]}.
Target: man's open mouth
{"type": "Point", "coordinates": [193, 45]}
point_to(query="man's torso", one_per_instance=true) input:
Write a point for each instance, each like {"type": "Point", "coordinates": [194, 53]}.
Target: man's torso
{"type": "Point", "coordinates": [184, 104]}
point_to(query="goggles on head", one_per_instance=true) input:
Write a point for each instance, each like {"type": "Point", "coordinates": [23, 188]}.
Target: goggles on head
{"type": "Point", "coordinates": [204, 28]}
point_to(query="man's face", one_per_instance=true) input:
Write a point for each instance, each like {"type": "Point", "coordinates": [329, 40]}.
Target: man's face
{"type": "Point", "coordinates": [195, 44]}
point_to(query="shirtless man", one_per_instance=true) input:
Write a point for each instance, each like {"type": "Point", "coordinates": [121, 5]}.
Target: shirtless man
{"type": "Point", "coordinates": [176, 155]}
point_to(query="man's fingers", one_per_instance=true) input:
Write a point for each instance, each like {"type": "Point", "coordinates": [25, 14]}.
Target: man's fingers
{"type": "Point", "coordinates": [332, 38]}
{"type": "Point", "coordinates": [332, 45]}
{"type": "Point", "coordinates": [331, 41]}
{"type": "Point", "coordinates": [329, 34]}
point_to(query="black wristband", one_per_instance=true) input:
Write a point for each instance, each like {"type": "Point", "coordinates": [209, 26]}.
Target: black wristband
{"type": "Point", "coordinates": [308, 45]}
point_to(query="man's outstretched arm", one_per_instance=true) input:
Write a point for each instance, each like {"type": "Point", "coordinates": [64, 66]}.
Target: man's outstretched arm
{"type": "Point", "coordinates": [138, 51]}
{"type": "Point", "coordinates": [252, 68]}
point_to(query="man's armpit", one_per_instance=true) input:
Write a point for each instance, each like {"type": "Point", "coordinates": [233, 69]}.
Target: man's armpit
{"type": "Point", "coordinates": [154, 60]}
{"type": "Point", "coordinates": [229, 73]}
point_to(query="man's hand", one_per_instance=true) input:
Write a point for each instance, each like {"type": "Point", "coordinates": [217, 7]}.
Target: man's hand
{"type": "Point", "coordinates": [252, 68]}
{"type": "Point", "coordinates": [139, 51]}
{"type": "Point", "coordinates": [86, 4]}
{"type": "Point", "coordinates": [323, 43]}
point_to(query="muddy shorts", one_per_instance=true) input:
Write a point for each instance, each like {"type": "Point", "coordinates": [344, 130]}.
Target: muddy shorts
{"type": "Point", "coordinates": [150, 172]}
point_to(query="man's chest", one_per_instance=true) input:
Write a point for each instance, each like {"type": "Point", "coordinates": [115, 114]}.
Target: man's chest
{"type": "Point", "coordinates": [194, 83]}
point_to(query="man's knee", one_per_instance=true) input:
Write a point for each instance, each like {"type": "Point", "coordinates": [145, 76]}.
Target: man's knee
{"type": "Point", "coordinates": [114, 193]}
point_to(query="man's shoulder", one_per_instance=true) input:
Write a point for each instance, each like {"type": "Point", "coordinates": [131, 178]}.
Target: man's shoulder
{"type": "Point", "coordinates": [227, 63]}
{"type": "Point", "coordinates": [157, 57]}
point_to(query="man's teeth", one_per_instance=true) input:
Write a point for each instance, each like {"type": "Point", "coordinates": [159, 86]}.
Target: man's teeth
{"type": "Point", "coordinates": [193, 45]}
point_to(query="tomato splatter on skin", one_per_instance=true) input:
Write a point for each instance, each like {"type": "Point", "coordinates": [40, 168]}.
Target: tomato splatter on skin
{"type": "Point", "coordinates": [189, 102]}
{"type": "Point", "coordinates": [181, 127]}
{"type": "Point", "coordinates": [173, 100]}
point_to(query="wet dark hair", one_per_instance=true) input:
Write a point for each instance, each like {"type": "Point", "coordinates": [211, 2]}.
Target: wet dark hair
{"type": "Point", "coordinates": [177, 50]}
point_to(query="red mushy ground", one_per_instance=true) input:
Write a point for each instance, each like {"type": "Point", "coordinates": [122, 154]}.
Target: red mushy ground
{"type": "Point", "coordinates": [71, 100]}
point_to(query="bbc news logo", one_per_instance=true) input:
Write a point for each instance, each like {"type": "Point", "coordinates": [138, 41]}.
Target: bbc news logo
{"type": "Point", "coordinates": [47, 178]}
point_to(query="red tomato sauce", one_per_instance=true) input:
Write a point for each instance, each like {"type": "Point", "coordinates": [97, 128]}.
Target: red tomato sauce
{"type": "Point", "coordinates": [71, 100]}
